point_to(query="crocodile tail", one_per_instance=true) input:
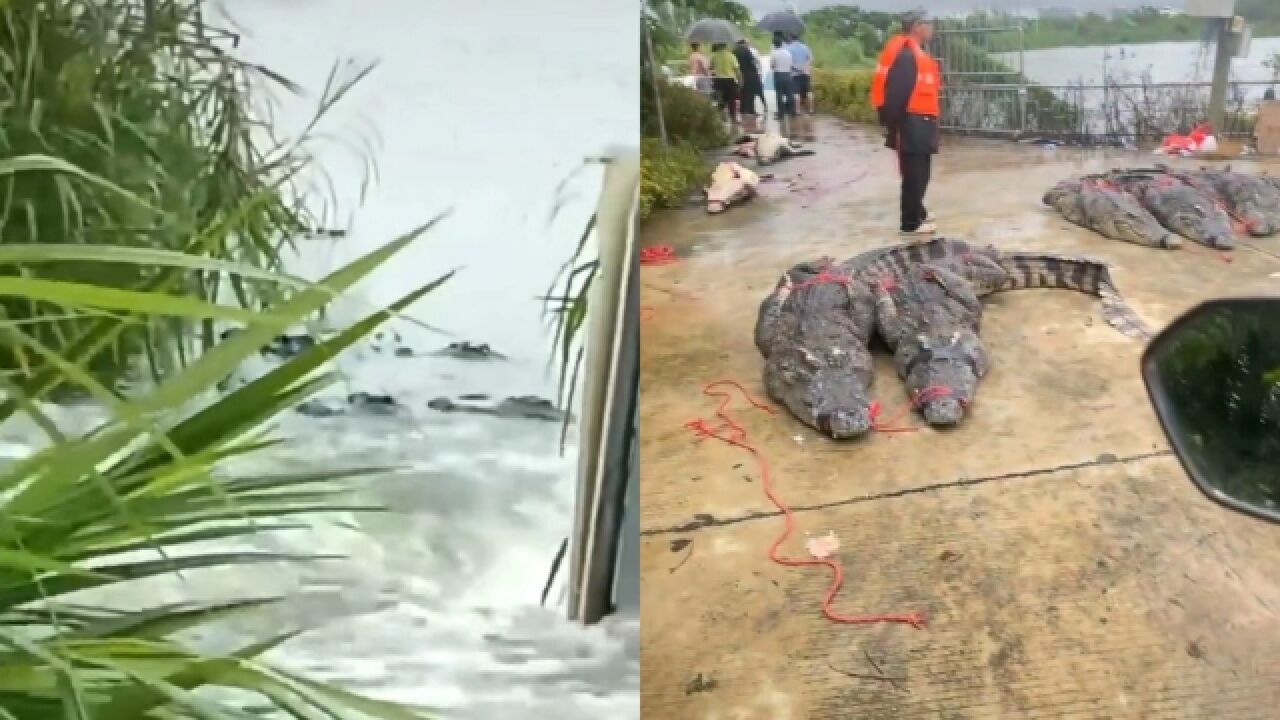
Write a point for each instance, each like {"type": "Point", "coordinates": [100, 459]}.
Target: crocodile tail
{"type": "Point", "coordinates": [1081, 274]}
{"type": "Point", "coordinates": [1117, 313]}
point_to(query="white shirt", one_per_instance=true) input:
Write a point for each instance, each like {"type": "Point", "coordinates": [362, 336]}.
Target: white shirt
{"type": "Point", "coordinates": [780, 60]}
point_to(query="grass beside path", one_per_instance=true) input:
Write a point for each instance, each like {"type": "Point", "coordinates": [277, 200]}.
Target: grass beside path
{"type": "Point", "coordinates": [844, 93]}
{"type": "Point", "coordinates": [668, 174]}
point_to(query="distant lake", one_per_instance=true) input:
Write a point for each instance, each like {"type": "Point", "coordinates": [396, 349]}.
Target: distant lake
{"type": "Point", "coordinates": [1166, 62]}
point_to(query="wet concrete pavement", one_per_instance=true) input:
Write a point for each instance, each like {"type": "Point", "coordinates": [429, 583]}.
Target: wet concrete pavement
{"type": "Point", "coordinates": [1067, 566]}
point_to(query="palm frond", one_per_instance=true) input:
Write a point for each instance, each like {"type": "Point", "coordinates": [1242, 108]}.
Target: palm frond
{"type": "Point", "coordinates": [73, 516]}
{"type": "Point", "coordinates": [126, 123]}
{"type": "Point", "coordinates": [567, 300]}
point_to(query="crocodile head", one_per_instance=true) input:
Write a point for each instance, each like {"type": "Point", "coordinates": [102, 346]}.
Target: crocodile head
{"type": "Point", "coordinates": [1202, 222]}
{"type": "Point", "coordinates": [823, 387]}
{"type": "Point", "coordinates": [942, 372]}
{"type": "Point", "coordinates": [1118, 215]}
{"type": "Point", "coordinates": [1055, 193]}
{"type": "Point", "coordinates": [1253, 199]}
{"type": "Point", "coordinates": [1254, 220]}
{"type": "Point", "coordinates": [730, 184]}
{"type": "Point", "coordinates": [817, 364]}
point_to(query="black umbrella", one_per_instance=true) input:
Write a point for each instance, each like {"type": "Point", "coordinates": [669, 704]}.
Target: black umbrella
{"type": "Point", "coordinates": [786, 23]}
{"type": "Point", "coordinates": [713, 31]}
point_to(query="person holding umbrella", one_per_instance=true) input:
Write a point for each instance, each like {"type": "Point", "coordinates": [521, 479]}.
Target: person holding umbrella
{"type": "Point", "coordinates": [699, 68]}
{"type": "Point", "coordinates": [726, 77]}
{"type": "Point", "coordinates": [716, 32]}
{"type": "Point", "coordinates": [786, 65]}
{"type": "Point", "coordinates": [801, 71]}
{"type": "Point", "coordinates": [752, 84]}
{"type": "Point", "coordinates": [780, 63]}
{"type": "Point", "coordinates": [905, 93]}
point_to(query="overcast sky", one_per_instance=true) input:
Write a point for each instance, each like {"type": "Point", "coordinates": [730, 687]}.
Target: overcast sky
{"type": "Point", "coordinates": [951, 6]}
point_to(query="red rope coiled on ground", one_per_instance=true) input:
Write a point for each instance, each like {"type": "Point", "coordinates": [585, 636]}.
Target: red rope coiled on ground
{"type": "Point", "coordinates": [658, 255]}
{"type": "Point", "coordinates": [729, 431]}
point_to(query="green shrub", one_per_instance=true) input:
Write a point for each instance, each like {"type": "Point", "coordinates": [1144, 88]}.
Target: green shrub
{"type": "Point", "coordinates": [142, 96]}
{"type": "Point", "coordinates": [846, 93]}
{"type": "Point", "coordinates": [828, 50]}
{"type": "Point", "coordinates": [668, 174]}
{"type": "Point", "coordinates": [690, 116]}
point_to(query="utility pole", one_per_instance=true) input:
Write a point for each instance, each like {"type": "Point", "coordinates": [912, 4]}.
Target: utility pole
{"type": "Point", "coordinates": [1226, 41]}
{"type": "Point", "coordinates": [1220, 18]}
{"type": "Point", "coordinates": [657, 80]}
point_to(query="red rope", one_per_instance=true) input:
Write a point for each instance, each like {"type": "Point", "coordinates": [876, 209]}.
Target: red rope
{"type": "Point", "coordinates": [1238, 225]}
{"type": "Point", "coordinates": [825, 275]}
{"type": "Point", "coordinates": [657, 255]}
{"type": "Point", "coordinates": [935, 392]}
{"type": "Point", "coordinates": [888, 426]}
{"type": "Point", "coordinates": [729, 431]}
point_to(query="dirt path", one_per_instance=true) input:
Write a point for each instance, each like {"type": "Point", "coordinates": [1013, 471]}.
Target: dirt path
{"type": "Point", "coordinates": [1067, 567]}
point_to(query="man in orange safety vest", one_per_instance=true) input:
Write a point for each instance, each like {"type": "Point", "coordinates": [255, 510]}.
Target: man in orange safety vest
{"type": "Point", "coordinates": [905, 94]}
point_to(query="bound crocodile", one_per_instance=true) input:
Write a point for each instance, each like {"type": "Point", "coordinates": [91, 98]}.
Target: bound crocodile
{"type": "Point", "coordinates": [930, 319]}
{"type": "Point", "coordinates": [813, 329]}
{"type": "Point", "coordinates": [768, 148]}
{"type": "Point", "coordinates": [730, 185]}
{"type": "Point", "coordinates": [1253, 199]}
{"type": "Point", "coordinates": [1023, 270]}
{"type": "Point", "coordinates": [1179, 204]}
{"type": "Point", "coordinates": [1101, 205]}
{"type": "Point", "coordinates": [1188, 204]}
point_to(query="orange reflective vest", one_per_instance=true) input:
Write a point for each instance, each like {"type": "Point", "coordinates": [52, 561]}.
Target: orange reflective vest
{"type": "Point", "coordinates": [924, 98]}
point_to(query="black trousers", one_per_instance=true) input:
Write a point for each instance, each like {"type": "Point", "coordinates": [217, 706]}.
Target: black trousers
{"type": "Point", "coordinates": [801, 83]}
{"type": "Point", "coordinates": [915, 169]}
{"type": "Point", "coordinates": [785, 91]}
{"type": "Point", "coordinates": [752, 88]}
{"type": "Point", "coordinates": [726, 93]}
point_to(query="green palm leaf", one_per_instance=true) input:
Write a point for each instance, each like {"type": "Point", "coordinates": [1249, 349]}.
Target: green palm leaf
{"type": "Point", "coordinates": [61, 527]}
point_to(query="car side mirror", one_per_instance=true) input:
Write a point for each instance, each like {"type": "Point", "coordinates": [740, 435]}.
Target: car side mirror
{"type": "Point", "coordinates": [1214, 379]}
